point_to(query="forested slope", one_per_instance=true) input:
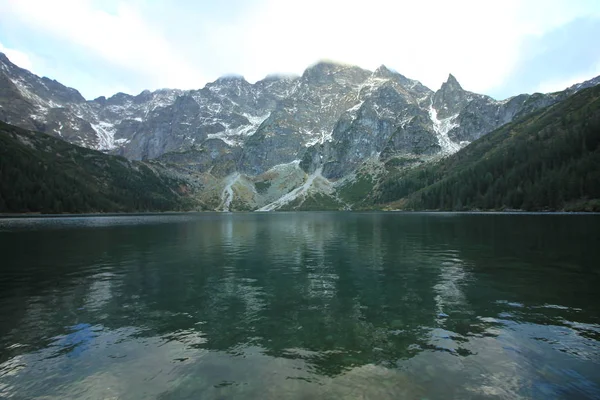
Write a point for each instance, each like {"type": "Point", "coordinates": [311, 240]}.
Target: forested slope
{"type": "Point", "coordinates": [549, 160]}
{"type": "Point", "coordinates": [39, 173]}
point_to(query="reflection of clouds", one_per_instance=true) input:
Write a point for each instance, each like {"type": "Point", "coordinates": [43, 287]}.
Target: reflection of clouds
{"type": "Point", "coordinates": [244, 290]}
{"type": "Point", "coordinates": [299, 244]}
{"type": "Point", "coordinates": [322, 285]}
{"type": "Point", "coordinates": [227, 231]}
{"type": "Point", "coordinates": [99, 292]}
{"type": "Point", "coordinates": [191, 338]}
{"type": "Point", "coordinates": [449, 295]}
{"type": "Point", "coordinates": [9, 370]}
{"type": "Point", "coordinates": [516, 357]}
{"type": "Point", "coordinates": [378, 250]}
{"type": "Point", "coordinates": [295, 233]}
{"type": "Point", "coordinates": [116, 364]}
{"type": "Point", "coordinates": [312, 305]}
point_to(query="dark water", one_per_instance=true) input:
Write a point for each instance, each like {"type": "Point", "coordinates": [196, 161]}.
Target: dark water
{"type": "Point", "coordinates": [301, 305]}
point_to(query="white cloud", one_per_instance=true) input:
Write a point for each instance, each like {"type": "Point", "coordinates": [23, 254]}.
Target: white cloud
{"type": "Point", "coordinates": [423, 40]}
{"type": "Point", "coordinates": [17, 57]}
{"type": "Point", "coordinates": [478, 41]}
{"type": "Point", "coordinates": [122, 38]}
{"type": "Point", "coordinates": [475, 40]}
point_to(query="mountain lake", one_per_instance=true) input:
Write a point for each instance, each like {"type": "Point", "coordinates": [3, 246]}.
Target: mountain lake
{"type": "Point", "coordinates": [300, 305]}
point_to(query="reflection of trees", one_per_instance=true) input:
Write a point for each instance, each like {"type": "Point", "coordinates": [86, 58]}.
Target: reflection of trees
{"type": "Point", "coordinates": [335, 290]}
{"type": "Point", "coordinates": [528, 259]}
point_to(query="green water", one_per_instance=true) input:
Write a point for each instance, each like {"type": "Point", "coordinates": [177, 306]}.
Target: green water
{"type": "Point", "coordinates": [300, 306]}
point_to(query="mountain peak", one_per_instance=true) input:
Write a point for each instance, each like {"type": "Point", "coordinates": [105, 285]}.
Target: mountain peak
{"type": "Point", "coordinates": [5, 62]}
{"type": "Point", "coordinates": [230, 78]}
{"type": "Point", "coordinates": [278, 77]}
{"type": "Point", "coordinates": [323, 68]}
{"type": "Point", "coordinates": [119, 98]}
{"type": "Point", "coordinates": [383, 72]}
{"type": "Point", "coordinates": [327, 64]}
{"type": "Point", "coordinates": [328, 72]}
{"type": "Point", "coordinates": [452, 83]}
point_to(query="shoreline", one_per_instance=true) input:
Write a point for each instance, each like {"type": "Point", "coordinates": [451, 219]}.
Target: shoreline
{"type": "Point", "coordinates": [150, 213]}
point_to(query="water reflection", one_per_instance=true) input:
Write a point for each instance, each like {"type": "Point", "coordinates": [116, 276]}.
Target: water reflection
{"type": "Point", "coordinates": [300, 305]}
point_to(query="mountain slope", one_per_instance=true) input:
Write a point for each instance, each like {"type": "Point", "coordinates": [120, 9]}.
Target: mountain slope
{"type": "Point", "coordinates": [317, 140]}
{"type": "Point", "coordinates": [39, 173]}
{"type": "Point", "coordinates": [273, 120]}
{"type": "Point", "coordinates": [549, 160]}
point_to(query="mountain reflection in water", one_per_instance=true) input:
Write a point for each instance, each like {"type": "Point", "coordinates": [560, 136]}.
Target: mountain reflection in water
{"type": "Point", "coordinates": [300, 305]}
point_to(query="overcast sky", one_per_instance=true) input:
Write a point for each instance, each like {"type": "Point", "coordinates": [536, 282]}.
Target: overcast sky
{"type": "Point", "coordinates": [500, 48]}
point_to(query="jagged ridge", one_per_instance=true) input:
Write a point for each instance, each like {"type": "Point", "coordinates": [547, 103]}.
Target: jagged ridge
{"type": "Point", "coordinates": [334, 118]}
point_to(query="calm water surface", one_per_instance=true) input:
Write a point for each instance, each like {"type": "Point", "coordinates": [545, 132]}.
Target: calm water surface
{"type": "Point", "coordinates": [300, 305]}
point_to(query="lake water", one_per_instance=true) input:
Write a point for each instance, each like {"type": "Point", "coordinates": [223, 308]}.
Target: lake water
{"type": "Point", "coordinates": [300, 306]}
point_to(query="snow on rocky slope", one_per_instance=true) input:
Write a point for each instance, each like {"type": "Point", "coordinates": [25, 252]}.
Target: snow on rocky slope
{"type": "Point", "coordinates": [333, 118]}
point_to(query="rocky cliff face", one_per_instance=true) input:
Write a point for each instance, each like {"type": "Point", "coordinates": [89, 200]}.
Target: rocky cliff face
{"type": "Point", "coordinates": [323, 126]}
{"type": "Point", "coordinates": [388, 117]}
{"type": "Point", "coordinates": [41, 104]}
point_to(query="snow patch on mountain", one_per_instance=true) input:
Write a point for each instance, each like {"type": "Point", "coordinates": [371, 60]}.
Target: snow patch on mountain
{"type": "Point", "coordinates": [317, 137]}
{"type": "Point", "coordinates": [256, 120]}
{"type": "Point", "coordinates": [282, 167]}
{"type": "Point", "coordinates": [106, 135]}
{"type": "Point", "coordinates": [25, 90]}
{"type": "Point", "coordinates": [441, 129]}
{"type": "Point", "coordinates": [227, 194]}
{"type": "Point", "coordinates": [236, 136]}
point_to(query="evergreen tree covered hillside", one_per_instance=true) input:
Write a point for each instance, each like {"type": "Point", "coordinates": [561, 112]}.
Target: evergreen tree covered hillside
{"type": "Point", "coordinates": [39, 173]}
{"type": "Point", "coordinates": [549, 160]}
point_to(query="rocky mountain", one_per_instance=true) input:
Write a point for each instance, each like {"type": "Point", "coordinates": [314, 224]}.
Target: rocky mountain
{"type": "Point", "coordinates": [277, 142]}
{"type": "Point", "coordinates": [548, 160]}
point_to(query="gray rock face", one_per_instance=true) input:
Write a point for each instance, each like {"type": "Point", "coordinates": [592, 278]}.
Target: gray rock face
{"type": "Point", "coordinates": [452, 98]}
{"type": "Point", "coordinates": [47, 90]}
{"type": "Point", "coordinates": [388, 118]}
{"type": "Point", "coordinates": [229, 109]}
{"type": "Point", "coordinates": [473, 115]}
{"type": "Point", "coordinates": [31, 102]}
{"type": "Point", "coordinates": [214, 156]}
{"type": "Point", "coordinates": [305, 117]}
{"type": "Point", "coordinates": [332, 119]}
{"type": "Point", "coordinates": [469, 115]}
